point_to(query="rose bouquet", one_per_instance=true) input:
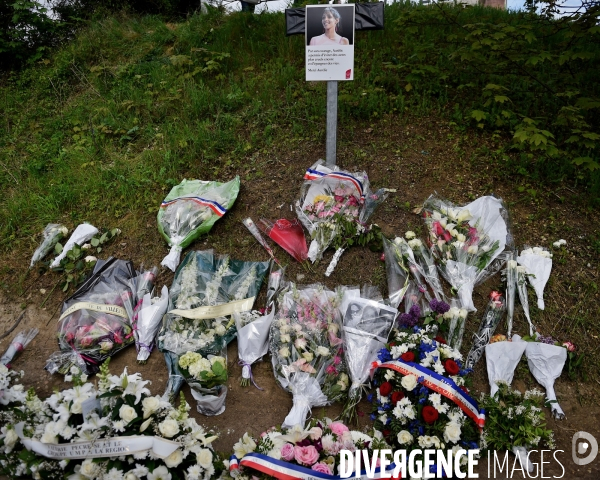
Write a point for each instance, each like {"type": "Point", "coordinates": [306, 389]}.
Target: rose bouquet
{"type": "Point", "coordinates": [80, 235]}
{"type": "Point", "coordinates": [191, 209]}
{"type": "Point", "coordinates": [508, 408]}
{"type": "Point", "coordinates": [367, 324]}
{"type": "Point", "coordinates": [538, 262]}
{"type": "Point", "coordinates": [95, 322]}
{"type": "Point", "coordinates": [306, 349]}
{"type": "Point", "coordinates": [421, 400]}
{"type": "Point", "coordinates": [302, 453]}
{"type": "Point", "coordinates": [206, 291]}
{"type": "Point", "coordinates": [206, 378]}
{"type": "Point", "coordinates": [112, 430]}
{"type": "Point", "coordinates": [52, 234]}
{"type": "Point", "coordinates": [466, 240]}
{"type": "Point", "coordinates": [491, 318]}
{"type": "Point", "coordinates": [21, 340]}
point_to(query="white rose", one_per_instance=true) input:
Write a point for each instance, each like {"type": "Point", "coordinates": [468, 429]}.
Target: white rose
{"type": "Point", "coordinates": [285, 328]}
{"type": "Point", "coordinates": [76, 406]}
{"type": "Point", "coordinates": [308, 356]}
{"type": "Point", "coordinates": [169, 428]}
{"type": "Point", "coordinates": [89, 259]}
{"type": "Point", "coordinates": [284, 352]}
{"type": "Point", "coordinates": [49, 438]}
{"type": "Point", "coordinates": [285, 338]}
{"type": "Point", "coordinates": [410, 235]}
{"type": "Point", "coordinates": [11, 437]}
{"type": "Point", "coordinates": [204, 458]}
{"type": "Point", "coordinates": [461, 238]}
{"type": "Point", "coordinates": [414, 244]}
{"type": "Point", "coordinates": [409, 382]}
{"type": "Point", "coordinates": [88, 468]}
{"type": "Point", "coordinates": [323, 351]}
{"type": "Point", "coordinates": [150, 405]}
{"type": "Point", "coordinates": [130, 476]}
{"type": "Point", "coordinates": [127, 413]}
{"type": "Point", "coordinates": [473, 249]}
{"type": "Point", "coordinates": [220, 330]}
{"type": "Point", "coordinates": [160, 473]}
{"type": "Point", "coordinates": [463, 313]}
{"type": "Point", "coordinates": [452, 432]}
{"type": "Point", "coordinates": [174, 459]}
{"type": "Point", "coordinates": [404, 437]}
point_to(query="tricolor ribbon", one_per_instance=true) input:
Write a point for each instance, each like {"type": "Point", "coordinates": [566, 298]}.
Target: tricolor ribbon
{"type": "Point", "coordinates": [218, 209]}
{"type": "Point", "coordinates": [438, 383]}
{"type": "Point", "coordinates": [287, 471]}
{"type": "Point", "coordinates": [312, 174]}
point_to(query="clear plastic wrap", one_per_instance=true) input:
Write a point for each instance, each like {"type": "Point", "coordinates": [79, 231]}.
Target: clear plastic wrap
{"type": "Point", "coordinates": [289, 235]}
{"type": "Point", "coordinates": [253, 229]}
{"type": "Point", "coordinates": [512, 278]}
{"type": "Point", "coordinates": [52, 234]}
{"type": "Point", "coordinates": [467, 240]}
{"type": "Point", "coordinates": [538, 262]}
{"type": "Point", "coordinates": [491, 318]}
{"type": "Point", "coordinates": [502, 359]}
{"type": "Point", "coordinates": [367, 324]}
{"type": "Point", "coordinates": [397, 272]}
{"type": "Point", "coordinates": [306, 349]}
{"type": "Point", "coordinates": [252, 340]}
{"type": "Point", "coordinates": [18, 344]}
{"type": "Point", "coordinates": [95, 321]}
{"type": "Point", "coordinates": [147, 321]}
{"type": "Point", "coordinates": [191, 209]}
{"type": "Point", "coordinates": [80, 235]}
{"type": "Point", "coordinates": [457, 318]}
{"type": "Point", "coordinates": [523, 297]}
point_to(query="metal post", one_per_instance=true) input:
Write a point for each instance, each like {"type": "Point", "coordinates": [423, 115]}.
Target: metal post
{"type": "Point", "coordinates": [332, 94]}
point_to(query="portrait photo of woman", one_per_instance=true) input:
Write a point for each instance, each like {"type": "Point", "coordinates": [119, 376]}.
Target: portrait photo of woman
{"type": "Point", "coordinates": [330, 22]}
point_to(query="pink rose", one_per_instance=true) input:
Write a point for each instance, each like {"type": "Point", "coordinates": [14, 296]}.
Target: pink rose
{"type": "Point", "coordinates": [287, 452]}
{"type": "Point", "coordinates": [569, 346]}
{"type": "Point", "coordinates": [338, 428]}
{"type": "Point", "coordinates": [322, 468]}
{"type": "Point", "coordinates": [306, 455]}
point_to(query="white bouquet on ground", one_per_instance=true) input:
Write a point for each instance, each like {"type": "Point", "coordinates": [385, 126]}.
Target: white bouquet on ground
{"type": "Point", "coordinates": [502, 358]}
{"type": "Point", "coordinates": [466, 241]}
{"type": "Point", "coordinates": [538, 262]}
{"type": "Point", "coordinates": [191, 209]}
{"type": "Point", "coordinates": [306, 349]}
{"type": "Point", "coordinates": [21, 340]}
{"type": "Point", "coordinates": [367, 324]}
{"type": "Point", "coordinates": [456, 318]}
{"type": "Point", "coordinates": [147, 321]}
{"type": "Point", "coordinates": [80, 235]}
{"type": "Point", "coordinates": [422, 265]}
{"type": "Point", "coordinates": [397, 271]}
{"type": "Point", "coordinates": [52, 234]}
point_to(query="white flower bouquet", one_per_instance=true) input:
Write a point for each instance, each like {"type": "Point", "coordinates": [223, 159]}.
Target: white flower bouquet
{"type": "Point", "coordinates": [191, 209]}
{"type": "Point", "coordinates": [538, 263]}
{"type": "Point", "coordinates": [80, 235]}
{"type": "Point", "coordinates": [502, 359]}
{"type": "Point", "coordinates": [466, 240]}
{"type": "Point", "coordinates": [397, 271]}
{"type": "Point", "coordinates": [112, 430]}
{"type": "Point", "coordinates": [95, 322]}
{"type": "Point", "coordinates": [306, 349]}
{"type": "Point", "coordinates": [206, 378]}
{"type": "Point", "coordinates": [146, 322]}
{"type": "Point", "coordinates": [456, 318]}
{"type": "Point", "coordinates": [52, 234]}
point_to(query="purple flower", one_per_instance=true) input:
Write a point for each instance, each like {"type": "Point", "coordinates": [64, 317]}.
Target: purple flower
{"type": "Point", "coordinates": [549, 340]}
{"type": "Point", "coordinates": [439, 307]}
{"type": "Point", "coordinates": [407, 320]}
{"type": "Point", "coordinates": [415, 311]}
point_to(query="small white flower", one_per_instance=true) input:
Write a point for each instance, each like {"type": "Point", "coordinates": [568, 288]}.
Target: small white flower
{"type": "Point", "coordinates": [174, 459]}
{"type": "Point", "coordinates": [410, 235]}
{"type": "Point", "coordinates": [90, 258]}
{"type": "Point", "coordinates": [404, 437]}
{"type": "Point", "coordinates": [160, 473]}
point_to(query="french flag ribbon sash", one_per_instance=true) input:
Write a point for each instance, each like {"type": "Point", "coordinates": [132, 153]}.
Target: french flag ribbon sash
{"type": "Point", "coordinates": [440, 384]}
{"type": "Point", "coordinates": [217, 208]}
{"type": "Point", "coordinates": [286, 471]}
{"type": "Point", "coordinates": [314, 174]}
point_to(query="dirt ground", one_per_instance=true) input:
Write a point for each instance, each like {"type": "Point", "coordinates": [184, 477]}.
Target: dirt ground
{"type": "Point", "coordinates": [416, 158]}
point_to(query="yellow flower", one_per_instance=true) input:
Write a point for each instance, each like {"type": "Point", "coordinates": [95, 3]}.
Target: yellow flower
{"type": "Point", "coordinates": [322, 198]}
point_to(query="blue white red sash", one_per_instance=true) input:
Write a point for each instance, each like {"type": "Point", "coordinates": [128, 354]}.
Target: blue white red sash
{"type": "Point", "coordinates": [440, 384]}
{"type": "Point", "coordinates": [312, 174]}
{"type": "Point", "coordinates": [214, 206]}
{"type": "Point", "coordinates": [287, 471]}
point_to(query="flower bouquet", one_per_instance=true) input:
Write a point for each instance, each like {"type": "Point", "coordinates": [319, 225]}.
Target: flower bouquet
{"type": "Point", "coordinates": [421, 401]}
{"type": "Point", "coordinates": [334, 207]}
{"type": "Point", "coordinates": [522, 275]}
{"type": "Point", "coordinates": [303, 453]}
{"type": "Point", "coordinates": [21, 340]}
{"type": "Point", "coordinates": [466, 240]}
{"type": "Point", "coordinates": [206, 291]}
{"type": "Point", "coordinates": [206, 378]}
{"type": "Point", "coordinates": [10, 393]}
{"type": "Point", "coordinates": [397, 271]}
{"type": "Point", "coordinates": [112, 430]}
{"type": "Point", "coordinates": [80, 235]}
{"type": "Point", "coordinates": [456, 317]}
{"type": "Point", "coordinates": [422, 264]}
{"type": "Point", "coordinates": [367, 324]}
{"type": "Point", "coordinates": [538, 262]}
{"type": "Point", "coordinates": [253, 341]}
{"type": "Point", "coordinates": [508, 408]}
{"type": "Point", "coordinates": [502, 358]}
{"type": "Point", "coordinates": [95, 322]}
{"type": "Point", "coordinates": [306, 349]}
{"type": "Point", "coordinates": [12, 397]}
{"type": "Point", "coordinates": [251, 226]}
{"type": "Point", "coordinates": [191, 209]}
{"type": "Point", "coordinates": [289, 235]}
{"type": "Point", "coordinates": [146, 322]}
{"type": "Point", "coordinates": [491, 318]}
{"type": "Point", "coordinates": [52, 234]}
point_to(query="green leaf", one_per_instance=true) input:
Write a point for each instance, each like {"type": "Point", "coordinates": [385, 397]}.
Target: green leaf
{"type": "Point", "coordinates": [58, 248]}
{"type": "Point", "coordinates": [95, 242]}
{"type": "Point", "coordinates": [500, 98]}
{"type": "Point", "coordinates": [478, 115]}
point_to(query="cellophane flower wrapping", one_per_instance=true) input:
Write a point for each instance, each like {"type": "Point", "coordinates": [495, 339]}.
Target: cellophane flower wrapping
{"type": "Point", "coordinates": [409, 414]}
{"type": "Point", "coordinates": [523, 297]}
{"type": "Point", "coordinates": [288, 234]}
{"type": "Point", "coordinates": [330, 198]}
{"type": "Point", "coordinates": [538, 262]}
{"type": "Point", "coordinates": [397, 272]}
{"type": "Point", "coordinates": [191, 209]}
{"type": "Point", "coordinates": [502, 359]}
{"type": "Point", "coordinates": [95, 322]}
{"type": "Point", "coordinates": [206, 280]}
{"type": "Point", "coordinates": [147, 321]}
{"type": "Point", "coordinates": [367, 324]}
{"type": "Point", "coordinates": [492, 316]}
{"type": "Point", "coordinates": [512, 278]}
{"type": "Point", "coordinates": [52, 234]}
{"type": "Point", "coordinates": [310, 451]}
{"type": "Point", "coordinates": [421, 264]}
{"type": "Point", "coordinates": [252, 340]}
{"type": "Point", "coordinates": [306, 349]}
{"type": "Point", "coordinates": [161, 440]}
{"type": "Point", "coordinates": [18, 344]}
{"type": "Point", "coordinates": [456, 318]}
{"type": "Point", "coordinates": [80, 235]}
{"type": "Point", "coordinates": [466, 240]}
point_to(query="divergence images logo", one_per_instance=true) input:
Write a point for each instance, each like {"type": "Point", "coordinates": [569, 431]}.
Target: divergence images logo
{"type": "Point", "coordinates": [584, 444]}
